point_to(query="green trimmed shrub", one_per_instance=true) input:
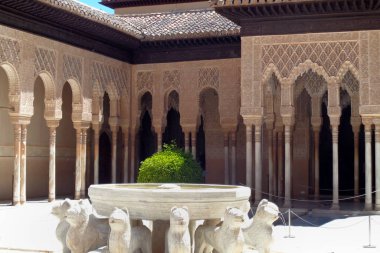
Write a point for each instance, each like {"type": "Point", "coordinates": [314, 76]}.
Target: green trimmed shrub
{"type": "Point", "coordinates": [171, 165]}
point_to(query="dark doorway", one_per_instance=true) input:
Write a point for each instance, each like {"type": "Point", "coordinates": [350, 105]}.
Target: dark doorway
{"type": "Point", "coordinates": [325, 154]}
{"type": "Point", "coordinates": [201, 145]}
{"type": "Point", "coordinates": [147, 139]}
{"type": "Point", "coordinates": [346, 153]}
{"type": "Point", "coordinates": [105, 159]}
{"type": "Point", "coordinates": [173, 130]}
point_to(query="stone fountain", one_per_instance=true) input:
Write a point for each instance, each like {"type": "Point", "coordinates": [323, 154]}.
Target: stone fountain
{"type": "Point", "coordinates": [154, 201]}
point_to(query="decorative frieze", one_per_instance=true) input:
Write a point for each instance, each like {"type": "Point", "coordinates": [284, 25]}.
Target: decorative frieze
{"type": "Point", "coordinates": [330, 55]}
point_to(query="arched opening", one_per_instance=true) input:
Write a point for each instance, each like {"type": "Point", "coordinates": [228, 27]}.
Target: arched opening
{"type": "Point", "coordinates": [346, 147]}
{"type": "Point", "coordinates": [147, 138]}
{"type": "Point", "coordinates": [66, 146]}
{"type": "Point", "coordinates": [213, 134]}
{"type": "Point", "coordinates": [201, 149]}
{"type": "Point", "coordinates": [6, 140]}
{"type": "Point", "coordinates": [173, 131]}
{"type": "Point", "coordinates": [325, 151]}
{"type": "Point", "coordinates": [105, 162]}
{"type": "Point", "coordinates": [37, 178]}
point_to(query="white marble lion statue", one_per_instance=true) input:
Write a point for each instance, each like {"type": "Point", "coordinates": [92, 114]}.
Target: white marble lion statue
{"type": "Point", "coordinates": [59, 210]}
{"type": "Point", "coordinates": [87, 231]}
{"type": "Point", "coordinates": [258, 230]}
{"type": "Point", "coordinates": [127, 239]}
{"type": "Point", "coordinates": [178, 238]}
{"type": "Point", "coordinates": [226, 238]}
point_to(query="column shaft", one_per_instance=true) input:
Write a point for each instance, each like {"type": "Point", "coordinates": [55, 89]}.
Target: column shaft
{"type": "Point", "coordinates": [194, 144]}
{"type": "Point", "coordinates": [316, 164]}
{"type": "Point", "coordinates": [187, 142]}
{"type": "Point", "coordinates": [270, 163]}
{"type": "Point", "coordinates": [335, 204]}
{"type": "Point", "coordinates": [96, 154]}
{"type": "Point", "coordinates": [248, 156]}
{"type": "Point", "coordinates": [356, 163]}
{"type": "Point", "coordinates": [233, 158]}
{"type": "Point", "coordinates": [114, 153]}
{"type": "Point", "coordinates": [280, 161]}
{"type": "Point", "coordinates": [377, 164]}
{"type": "Point", "coordinates": [288, 166]}
{"type": "Point", "coordinates": [275, 164]}
{"type": "Point", "coordinates": [16, 169]}
{"type": "Point", "coordinates": [159, 140]}
{"type": "Point", "coordinates": [78, 163]}
{"type": "Point", "coordinates": [368, 167]}
{"type": "Point", "coordinates": [133, 147]}
{"type": "Point", "coordinates": [226, 169]}
{"type": "Point", "coordinates": [23, 164]}
{"type": "Point", "coordinates": [52, 142]}
{"type": "Point", "coordinates": [125, 163]}
{"type": "Point", "coordinates": [83, 163]}
{"type": "Point", "coordinates": [258, 164]}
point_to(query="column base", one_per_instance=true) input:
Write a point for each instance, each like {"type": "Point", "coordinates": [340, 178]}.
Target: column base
{"type": "Point", "coordinates": [16, 203]}
{"type": "Point", "coordinates": [335, 206]}
{"type": "Point", "coordinates": [83, 194]}
{"type": "Point", "coordinates": [22, 202]}
{"type": "Point", "coordinates": [77, 196]}
{"type": "Point", "coordinates": [368, 207]}
{"type": "Point", "coordinates": [51, 199]}
{"type": "Point", "coordinates": [377, 207]}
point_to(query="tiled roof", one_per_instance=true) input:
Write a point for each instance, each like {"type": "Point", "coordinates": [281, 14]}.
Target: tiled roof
{"type": "Point", "coordinates": [223, 3]}
{"type": "Point", "coordinates": [182, 24]}
{"type": "Point", "coordinates": [95, 15]}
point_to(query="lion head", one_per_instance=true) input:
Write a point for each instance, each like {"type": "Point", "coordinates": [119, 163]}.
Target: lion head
{"type": "Point", "coordinates": [61, 208]}
{"type": "Point", "coordinates": [179, 216]}
{"type": "Point", "coordinates": [119, 219]}
{"type": "Point", "coordinates": [77, 215]}
{"type": "Point", "coordinates": [233, 217]}
{"type": "Point", "coordinates": [267, 211]}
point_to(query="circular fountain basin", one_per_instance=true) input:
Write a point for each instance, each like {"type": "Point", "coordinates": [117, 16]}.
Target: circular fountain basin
{"type": "Point", "coordinates": [154, 201]}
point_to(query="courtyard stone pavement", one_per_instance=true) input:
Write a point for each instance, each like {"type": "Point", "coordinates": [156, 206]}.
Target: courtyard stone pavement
{"type": "Point", "coordinates": [31, 228]}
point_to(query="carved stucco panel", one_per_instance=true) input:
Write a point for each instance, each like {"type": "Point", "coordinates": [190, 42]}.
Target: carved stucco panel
{"type": "Point", "coordinates": [45, 59]}
{"type": "Point", "coordinates": [172, 79]}
{"type": "Point", "coordinates": [72, 67]}
{"type": "Point", "coordinates": [145, 81]}
{"type": "Point", "coordinates": [10, 51]}
{"type": "Point", "coordinates": [208, 77]}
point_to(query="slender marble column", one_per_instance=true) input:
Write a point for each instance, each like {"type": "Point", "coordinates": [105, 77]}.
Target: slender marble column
{"type": "Point", "coordinates": [159, 140]}
{"type": "Point", "coordinates": [368, 167]}
{"type": "Point", "coordinates": [52, 142]}
{"type": "Point", "coordinates": [226, 169]}
{"type": "Point", "coordinates": [288, 166]}
{"type": "Point", "coordinates": [83, 162]}
{"type": "Point", "coordinates": [114, 153]}
{"type": "Point", "coordinates": [133, 147]}
{"type": "Point", "coordinates": [356, 162]}
{"type": "Point", "coordinates": [78, 163]}
{"type": "Point", "coordinates": [125, 163]}
{"type": "Point", "coordinates": [280, 157]}
{"type": "Point", "coordinates": [377, 164]}
{"type": "Point", "coordinates": [270, 162]}
{"type": "Point", "coordinates": [194, 144]}
{"type": "Point", "coordinates": [316, 162]}
{"type": "Point", "coordinates": [23, 164]}
{"type": "Point", "coordinates": [233, 158]}
{"type": "Point", "coordinates": [187, 142]}
{"type": "Point", "coordinates": [258, 164]}
{"type": "Point", "coordinates": [16, 169]}
{"type": "Point", "coordinates": [248, 130]}
{"type": "Point", "coordinates": [96, 128]}
{"type": "Point", "coordinates": [275, 164]}
{"type": "Point", "coordinates": [335, 134]}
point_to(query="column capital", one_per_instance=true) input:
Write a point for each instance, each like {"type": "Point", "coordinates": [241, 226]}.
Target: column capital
{"type": "Point", "coordinates": [256, 120]}
{"type": "Point", "coordinates": [316, 123]}
{"type": "Point", "coordinates": [79, 125]}
{"type": "Point", "coordinates": [367, 121]}
{"type": "Point", "coordinates": [52, 123]}
{"type": "Point", "coordinates": [20, 120]}
{"type": "Point", "coordinates": [114, 122]}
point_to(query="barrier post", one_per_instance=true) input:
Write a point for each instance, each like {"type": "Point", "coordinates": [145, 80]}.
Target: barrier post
{"type": "Point", "coordinates": [369, 235]}
{"type": "Point", "coordinates": [289, 225]}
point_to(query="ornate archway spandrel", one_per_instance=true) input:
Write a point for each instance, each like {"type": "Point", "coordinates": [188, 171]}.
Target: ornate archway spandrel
{"type": "Point", "coordinates": [144, 81]}
{"type": "Point", "coordinates": [10, 50]}
{"type": "Point", "coordinates": [45, 59]}
{"type": "Point", "coordinates": [171, 79]}
{"type": "Point", "coordinates": [72, 67]}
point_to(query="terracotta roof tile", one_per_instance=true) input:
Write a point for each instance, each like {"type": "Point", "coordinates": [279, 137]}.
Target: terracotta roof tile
{"type": "Point", "coordinates": [182, 24]}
